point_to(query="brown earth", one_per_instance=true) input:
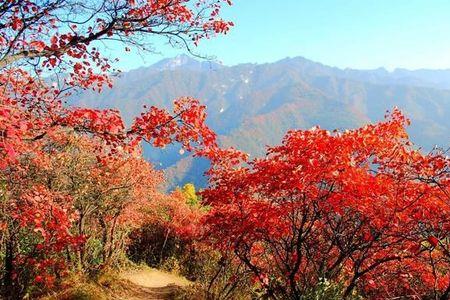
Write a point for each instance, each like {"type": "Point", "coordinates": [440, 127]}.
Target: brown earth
{"type": "Point", "coordinates": [140, 284]}
{"type": "Point", "coordinates": [151, 284]}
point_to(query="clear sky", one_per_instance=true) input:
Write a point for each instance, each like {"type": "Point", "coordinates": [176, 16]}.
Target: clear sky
{"type": "Point", "coordinates": [363, 34]}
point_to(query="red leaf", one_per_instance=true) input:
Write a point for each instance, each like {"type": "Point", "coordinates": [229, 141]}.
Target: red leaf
{"type": "Point", "coordinates": [433, 241]}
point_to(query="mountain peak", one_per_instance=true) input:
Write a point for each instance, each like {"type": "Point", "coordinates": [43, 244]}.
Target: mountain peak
{"type": "Point", "coordinates": [186, 62]}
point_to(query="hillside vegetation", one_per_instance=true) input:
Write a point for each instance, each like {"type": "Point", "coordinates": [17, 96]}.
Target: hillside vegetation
{"type": "Point", "coordinates": [250, 106]}
{"type": "Point", "coordinates": [360, 212]}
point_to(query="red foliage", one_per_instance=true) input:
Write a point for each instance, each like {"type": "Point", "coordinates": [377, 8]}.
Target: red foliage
{"type": "Point", "coordinates": [175, 214]}
{"type": "Point", "coordinates": [64, 34]}
{"type": "Point", "coordinates": [46, 39]}
{"type": "Point", "coordinates": [29, 111]}
{"type": "Point", "coordinates": [48, 218]}
{"type": "Point", "coordinates": [351, 207]}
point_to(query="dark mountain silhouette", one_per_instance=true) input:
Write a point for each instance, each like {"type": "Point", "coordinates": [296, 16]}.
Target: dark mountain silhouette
{"type": "Point", "coordinates": [253, 105]}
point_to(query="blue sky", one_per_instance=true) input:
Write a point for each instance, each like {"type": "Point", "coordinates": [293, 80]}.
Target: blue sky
{"type": "Point", "coordinates": [363, 34]}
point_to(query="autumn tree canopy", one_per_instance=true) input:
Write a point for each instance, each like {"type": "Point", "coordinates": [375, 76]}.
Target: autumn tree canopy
{"type": "Point", "coordinates": [39, 38]}
{"type": "Point", "coordinates": [358, 213]}
{"type": "Point", "coordinates": [65, 33]}
{"type": "Point", "coordinates": [361, 208]}
{"type": "Point", "coordinates": [47, 50]}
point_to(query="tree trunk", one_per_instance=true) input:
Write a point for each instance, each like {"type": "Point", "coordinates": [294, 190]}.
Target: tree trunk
{"type": "Point", "coordinates": [9, 286]}
{"type": "Point", "coordinates": [81, 250]}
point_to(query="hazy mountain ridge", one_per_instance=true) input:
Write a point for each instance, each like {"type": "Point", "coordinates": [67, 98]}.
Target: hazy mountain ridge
{"type": "Point", "coordinates": [251, 105]}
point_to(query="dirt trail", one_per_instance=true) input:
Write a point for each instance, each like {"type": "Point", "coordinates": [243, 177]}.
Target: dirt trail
{"type": "Point", "coordinates": [151, 284]}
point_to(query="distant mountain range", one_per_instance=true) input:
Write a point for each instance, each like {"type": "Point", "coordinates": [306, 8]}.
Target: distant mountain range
{"type": "Point", "coordinates": [253, 105]}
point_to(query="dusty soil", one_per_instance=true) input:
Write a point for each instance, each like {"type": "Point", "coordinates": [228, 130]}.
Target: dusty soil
{"type": "Point", "coordinates": [140, 284]}
{"type": "Point", "coordinates": [150, 284]}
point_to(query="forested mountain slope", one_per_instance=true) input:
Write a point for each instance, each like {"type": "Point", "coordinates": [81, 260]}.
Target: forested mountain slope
{"type": "Point", "coordinates": [251, 105]}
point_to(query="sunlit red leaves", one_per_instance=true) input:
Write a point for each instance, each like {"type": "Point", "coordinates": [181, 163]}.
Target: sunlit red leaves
{"type": "Point", "coordinates": [32, 30]}
{"type": "Point", "coordinates": [433, 241]}
{"type": "Point", "coordinates": [185, 125]}
{"type": "Point", "coordinates": [48, 217]}
{"type": "Point", "coordinates": [36, 127]}
{"type": "Point", "coordinates": [47, 214]}
{"type": "Point", "coordinates": [174, 213]}
{"type": "Point", "coordinates": [16, 23]}
{"type": "Point", "coordinates": [38, 45]}
{"type": "Point", "coordinates": [364, 194]}
{"type": "Point", "coordinates": [31, 108]}
{"type": "Point", "coordinates": [132, 175]}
